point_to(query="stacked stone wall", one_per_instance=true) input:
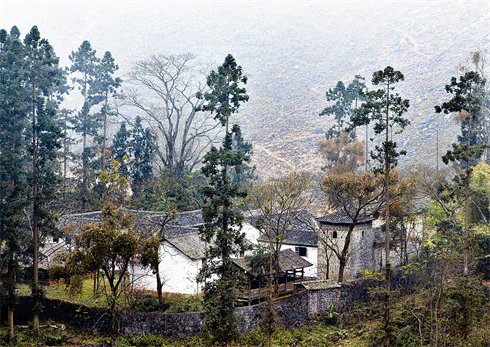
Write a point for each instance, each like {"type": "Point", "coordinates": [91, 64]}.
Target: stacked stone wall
{"type": "Point", "coordinates": [292, 311]}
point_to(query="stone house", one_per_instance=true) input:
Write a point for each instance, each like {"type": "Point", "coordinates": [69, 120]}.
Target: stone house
{"type": "Point", "coordinates": [366, 245]}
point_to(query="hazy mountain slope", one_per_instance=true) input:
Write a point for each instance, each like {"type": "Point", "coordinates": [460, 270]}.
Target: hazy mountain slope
{"type": "Point", "coordinates": [292, 53]}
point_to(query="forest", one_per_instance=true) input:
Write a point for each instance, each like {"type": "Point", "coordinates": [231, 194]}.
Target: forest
{"type": "Point", "coordinates": [164, 138]}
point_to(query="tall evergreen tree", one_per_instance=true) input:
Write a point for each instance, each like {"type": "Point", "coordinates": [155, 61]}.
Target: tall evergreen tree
{"type": "Point", "coordinates": [222, 220]}
{"type": "Point", "coordinates": [120, 149]}
{"type": "Point", "coordinates": [104, 87]}
{"type": "Point", "coordinates": [385, 109]}
{"type": "Point", "coordinates": [466, 103]}
{"type": "Point", "coordinates": [29, 138]}
{"type": "Point", "coordinates": [84, 66]}
{"type": "Point", "coordinates": [134, 150]}
{"type": "Point", "coordinates": [342, 101]}
{"type": "Point", "coordinates": [13, 162]}
{"type": "Point", "coordinates": [41, 66]}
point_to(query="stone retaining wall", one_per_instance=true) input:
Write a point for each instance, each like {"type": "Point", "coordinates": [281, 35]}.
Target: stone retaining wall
{"type": "Point", "coordinates": [292, 311]}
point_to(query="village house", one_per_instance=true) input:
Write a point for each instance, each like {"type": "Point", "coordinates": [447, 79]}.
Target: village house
{"type": "Point", "coordinates": [300, 236]}
{"type": "Point", "coordinates": [367, 246]}
{"type": "Point", "coordinates": [182, 251]}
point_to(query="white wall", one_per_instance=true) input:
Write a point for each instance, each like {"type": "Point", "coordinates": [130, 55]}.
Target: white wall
{"type": "Point", "coordinates": [311, 256]}
{"type": "Point", "coordinates": [177, 271]}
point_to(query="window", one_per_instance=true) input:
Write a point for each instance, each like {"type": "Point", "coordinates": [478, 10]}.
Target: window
{"type": "Point", "coordinates": [300, 251]}
{"type": "Point", "coordinates": [334, 234]}
{"type": "Point", "coordinates": [363, 233]}
{"type": "Point", "coordinates": [242, 254]}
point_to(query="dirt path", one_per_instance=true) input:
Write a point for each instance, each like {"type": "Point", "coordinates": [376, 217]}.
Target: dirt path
{"type": "Point", "coordinates": [414, 42]}
{"type": "Point", "coordinates": [262, 148]}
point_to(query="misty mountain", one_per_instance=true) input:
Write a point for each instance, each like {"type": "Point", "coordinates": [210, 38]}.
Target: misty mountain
{"type": "Point", "coordinates": [291, 52]}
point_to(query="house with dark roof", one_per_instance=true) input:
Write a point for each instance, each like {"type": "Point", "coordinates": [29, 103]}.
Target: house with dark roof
{"type": "Point", "coordinates": [292, 270]}
{"type": "Point", "coordinates": [365, 250]}
{"type": "Point", "coordinates": [299, 235]}
{"type": "Point", "coordinates": [367, 246]}
{"type": "Point", "coordinates": [182, 251]}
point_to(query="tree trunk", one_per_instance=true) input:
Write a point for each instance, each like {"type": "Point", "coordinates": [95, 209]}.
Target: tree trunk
{"type": "Point", "coordinates": [387, 221]}
{"type": "Point", "coordinates": [113, 327]}
{"type": "Point", "coordinates": [345, 250]}
{"type": "Point", "coordinates": [159, 291]}
{"type": "Point", "coordinates": [11, 295]}
{"type": "Point", "coordinates": [342, 263]}
{"type": "Point", "coordinates": [35, 222]}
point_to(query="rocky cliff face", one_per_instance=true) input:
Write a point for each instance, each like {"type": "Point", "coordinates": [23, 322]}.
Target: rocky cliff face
{"type": "Point", "coordinates": [292, 53]}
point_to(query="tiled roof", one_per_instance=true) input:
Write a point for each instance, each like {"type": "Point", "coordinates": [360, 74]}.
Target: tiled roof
{"type": "Point", "coordinates": [190, 244]}
{"type": "Point", "coordinates": [144, 221]}
{"type": "Point", "coordinates": [78, 221]}
{"type": "Point", "coordinates": [187, 218]}
{"type": "Point", "coordinates": [288, 260]}
{"type": "Point", "coordinates": [300, 231]}
{"type": "Point", "coordinates": [340, 217]}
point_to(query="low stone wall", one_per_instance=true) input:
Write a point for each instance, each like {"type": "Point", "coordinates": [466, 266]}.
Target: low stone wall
{"type": "Point", "coordinates": [292, 311]}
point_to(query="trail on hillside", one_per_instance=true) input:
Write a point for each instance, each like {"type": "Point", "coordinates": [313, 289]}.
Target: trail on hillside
{"type": "Point", "coordinates": [414, 42]}
{"type": "Point", "coordinates": [285, 161]}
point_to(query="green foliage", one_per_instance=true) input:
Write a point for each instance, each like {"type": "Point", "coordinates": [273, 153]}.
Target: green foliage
{"type": "Point", "coordinates": [340, 106]}
{"type": "Point", "coordinates": [135, 149]}
{"type": "Point", "coordinates": [222, 220]}
{"type": "Point", "coordinates": [170, 192]}
{"type": "Point", "coordinates": [94, 77]}
{"type": "Point", "coordinates": [385, 109]}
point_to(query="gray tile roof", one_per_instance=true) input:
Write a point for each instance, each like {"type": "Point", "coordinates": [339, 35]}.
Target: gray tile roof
{"type": "Point", "coordinates": [288, 260]}
{"type": "Point", "coordinates": [190, 244]}
{"type": "Point", "coordinates": [300, 232]}
{"type": "Point", "coordinates": [144, 221]}
{"type": "Point", "coordinates": [340, 217]}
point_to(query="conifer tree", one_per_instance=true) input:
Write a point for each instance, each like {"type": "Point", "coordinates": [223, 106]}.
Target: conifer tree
{"type": "Point", "coordinates": [13, 163]}
{"type": "Point", "coordinates": [222, 219]}
{"type": "Point", "coordinates": [466, 103]}
{"type": "Point", "coordinates": [385, 109]}
{"type": "Point", "coordinates": [84, 65]}
{"type": "Point", "coordinates": [105, 86]}
{"type": "Point", "coordinates": [41, 73]}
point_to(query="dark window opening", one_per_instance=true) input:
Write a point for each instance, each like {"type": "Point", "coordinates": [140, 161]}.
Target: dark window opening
{"type": "Point", "coordinates": [334, 234]}
{"type": "Point", "coordinates": [300, 251]}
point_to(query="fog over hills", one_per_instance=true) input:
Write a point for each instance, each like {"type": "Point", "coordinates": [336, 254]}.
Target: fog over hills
{"type": "Point", "coordinates": [291, 51]}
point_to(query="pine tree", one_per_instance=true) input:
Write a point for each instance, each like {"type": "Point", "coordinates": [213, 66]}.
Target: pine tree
{"type": "Point", "coordinates": [466, 102]}
{"type": "Point", "coordinates": [104, 87]}
{"type": "Point", "coordinates": [222, 220]}
{"type": "Point", "coordinates": [385, 109]}
{"type": "Point", "coordinates": [41, 66]}
{"type": "Point", "coordinates": [142, 149]}
{"type": "Point", "coordinates": [84, 66]}
{"type": "Point", "coordinates": [13, 162]}
{"type": "Point", "coordinates": [342, 102]}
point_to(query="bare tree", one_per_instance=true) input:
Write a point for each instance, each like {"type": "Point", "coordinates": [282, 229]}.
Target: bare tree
{"type": "Point", "coordinates": [163, 90]}
{"type": "Point", "coordinates": [277, 206]}
{"type": "Point", "coordinates": [352, 195]}
{"type": "Point", "coordinates": [274, 208]}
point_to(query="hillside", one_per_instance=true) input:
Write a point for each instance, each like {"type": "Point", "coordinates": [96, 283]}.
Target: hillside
{"type": "Point", "coordinates": [292, 53]}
